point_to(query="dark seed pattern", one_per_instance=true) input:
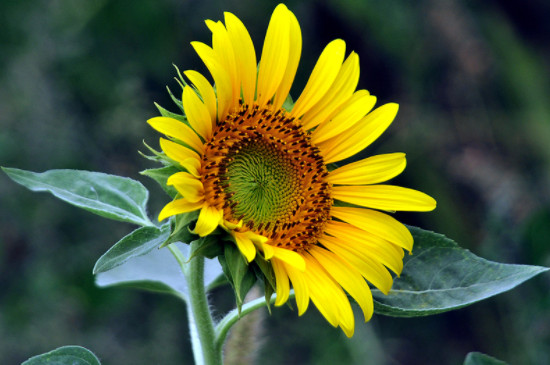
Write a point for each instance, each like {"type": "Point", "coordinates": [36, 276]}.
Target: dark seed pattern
{"type": "Point", "coordinates": [261, 167]}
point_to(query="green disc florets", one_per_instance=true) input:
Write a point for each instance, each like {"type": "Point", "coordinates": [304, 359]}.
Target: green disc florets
{"type": "Point", "coordinates": [263, 183]}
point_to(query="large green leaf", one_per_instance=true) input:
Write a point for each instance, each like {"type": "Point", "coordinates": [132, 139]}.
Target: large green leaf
{"type": "Point", "coordinates": [440, 276]}
{"type": "Point", "coordinates": [157, 270]}
{"type": "Point", "coordinates": [109, 196]}
{"type": "Point", "coordinates": [138, 243]}
{"type": "Point", "coordinates": [66, 355]}
{"type": "Point", "coordinates": [477, 358]}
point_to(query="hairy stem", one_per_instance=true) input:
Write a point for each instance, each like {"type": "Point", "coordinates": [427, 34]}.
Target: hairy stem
{"type": "Point", "coordinates": [201, 325]}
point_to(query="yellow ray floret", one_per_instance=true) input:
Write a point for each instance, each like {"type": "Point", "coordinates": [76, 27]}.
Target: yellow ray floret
{"type": "Point", "coordinates": [371, 170]}
{"type": "Point", "coordinates": [178, 130]}
{"type": "Point", "coordinates": [205, 90]}
{"type": "Point", "coordinates": [377, 223]}
{"type": "Point", "coordinates": [385, 197]}
{"type": "Point", "coordinates": [340, 91]}
{"type": "Point", "coordinates": [359, 136]}
{"type": "Point", "coordinates": [208, 221]}
{"type": "Point", "coordinates": [323, 75]}
{"type": "Point", "coordinates": [275, 53]}
{"type": "Point", "coordinates": [197, 113]}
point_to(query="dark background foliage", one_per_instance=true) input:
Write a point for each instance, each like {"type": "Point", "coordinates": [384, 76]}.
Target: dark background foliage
{"type": "Point", "coordinates": [78, 80]}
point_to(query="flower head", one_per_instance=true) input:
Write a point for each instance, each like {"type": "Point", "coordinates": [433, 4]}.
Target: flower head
{"type": "Point", "coordinates": [263, 171]}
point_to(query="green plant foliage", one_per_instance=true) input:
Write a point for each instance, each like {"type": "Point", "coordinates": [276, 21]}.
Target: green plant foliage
{"type": "Point", "coordinates": [440, 276]}
{"type": "Point", "coordinates": [181, 230]}
{"type": "Point", "coordinates": [237, 272]}
{"type": "Point", "coordinates": [66, 355]}
{"type": "Point", "coordinates": [156, 270]}
{"type": "Point", "coordinates": [161, 175]}
{"type": "Point", "coordinates": [209, 246]}
{"type": "Point", "coordinates": [169, 114]}
{"type": "Point", "coordinates": [477, 358]}
{"type": "Point", "coordinates": [138, 243]}
{"type": "Point", "coordinates": [109, 196]}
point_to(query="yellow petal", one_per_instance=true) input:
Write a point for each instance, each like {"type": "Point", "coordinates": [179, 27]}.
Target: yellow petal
{"type": "Point", "coordinates": [222, 79]}
{"type": "Point", "coordinates": [245, 55]}
{"type": "Point", "coordinates": [245, 245]}
{"type": "Point", "coordinates": [187, 185]}
{"type": "Point", "coordinates": [223, 47]}
{"type": "Point", "coordinates": [340, 91]}
{"type": "Point", "coordinates": [178, 206]}
{"type": "Point", "coordinates": [208, 221]}
{"type": "Point", "coordinates": [346, 116]}
{"type": "Point", "coordinates": [370, 269]}
{"type": "Point", "coordinates": [377, 223]}
{"type": "Point", "coordinates": [260, 242]}
{"type": "Point", "coordinates": [385, 197]}
{"type": "Point", "coordinates": [268, 251]}
{"type": "Point", "coordinates": [228, 225]}
{"type": "Point", "coordinates": [178, 130]}
{"type": "Point", "coordinates": [349, 278]}
{"type": "Point", "coordinates": [358, 137]}
{"type": "Point", "coordinates": [371, 170]}
{"type": "Point", "coordinates": [281, 277]}
{"type": "Point", "coordinates": [300, 288]}
{"type": "Point", "coordinates": [186, 157]}
{"type": "Point", "coordinates": [322, 291]}
{"type": "Point", "coordinates": [323, 75]}
{"type": "Point", "coordinates": [206, 91]}
{"type": "Point", "coordinates": [295, 51]}
{"type": "Point", "coordinates": [373, 246]}
{"type": "Point", "coordinates": [197, 113]}
{"type": "Point", "coordinates": [328, 296]}
{"type": "Point", "coordinates": [275, 55]}
{"type": "Point", "coordinates": [289, 257]}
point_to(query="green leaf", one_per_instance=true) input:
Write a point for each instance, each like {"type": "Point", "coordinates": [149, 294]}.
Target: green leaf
{"type": "Point", "coordinates": [208, 246]}
{"type": "Point", "coordinates": [238, 272]}
{"type": "Point", "coordinates": [138, 243]}
{"type": "Point", "coordinates": [157, 271]}
{"type": "Point", "coordinates": [109, 196]}
{"type": "Point", "coordinates": [180, 228]}
{"type": "Point", "coordinates": [161, 176]}
{"type": "Point", "coordinates": [440, 276]}
{"type": "Point", "coordinates": [66, 355]}
{"type": "Point", "coordinates": [477, 358]}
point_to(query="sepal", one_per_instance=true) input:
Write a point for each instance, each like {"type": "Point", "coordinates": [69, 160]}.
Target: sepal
{"type": "Point", "coordinates": [208, 246]}
{"type": "Point", "coordinates": [238, 273]}
{"type": "Point", "coordinates": [169, 114]}
{"type": "Point", "coordinates": [264, 271]}
{"type": "Point", "coordinates": [161, 175]}
{"type": "Point", "coordinates": [180, 228]}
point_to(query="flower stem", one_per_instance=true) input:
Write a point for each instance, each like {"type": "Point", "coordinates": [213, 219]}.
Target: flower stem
{"type": "Point", "coordinates": [201, 325]}
{"type": "Point", "coordinates": [233, 316]}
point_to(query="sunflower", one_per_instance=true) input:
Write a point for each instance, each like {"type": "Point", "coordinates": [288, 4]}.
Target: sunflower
{"type": "Point", "coordinates": [263, 170]}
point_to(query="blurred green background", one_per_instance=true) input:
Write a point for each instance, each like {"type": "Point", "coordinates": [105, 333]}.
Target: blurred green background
{"type": "Point", "coordinates": [78, 80]}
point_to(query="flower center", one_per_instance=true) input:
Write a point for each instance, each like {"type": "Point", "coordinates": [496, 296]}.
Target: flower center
{"type": "Point", "coordinates": [261, 167]}
{"type": "Point", "coordinates": [262, 181]}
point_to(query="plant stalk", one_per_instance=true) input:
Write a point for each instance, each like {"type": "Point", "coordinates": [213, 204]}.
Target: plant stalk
{"type": "Point", "coordinates": [201, 324]}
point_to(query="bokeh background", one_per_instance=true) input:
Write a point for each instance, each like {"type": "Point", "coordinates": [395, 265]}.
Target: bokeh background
{"type": "Point", "coordinates": [78, 80]}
